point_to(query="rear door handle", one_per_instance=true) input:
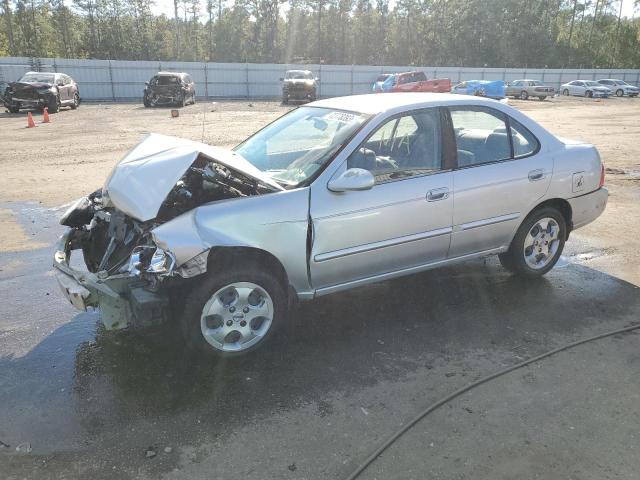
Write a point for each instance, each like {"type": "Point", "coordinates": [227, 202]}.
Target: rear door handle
{"type": "Point", "coordinates": [437, 194]}
{"type": "Point", "coordinates": [535, 175]}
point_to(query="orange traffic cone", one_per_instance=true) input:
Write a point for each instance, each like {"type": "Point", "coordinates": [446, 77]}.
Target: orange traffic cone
{"type": "Point", "coordinates": [45, 115]}
{"type": "Point", "coordinates": [30, 122]}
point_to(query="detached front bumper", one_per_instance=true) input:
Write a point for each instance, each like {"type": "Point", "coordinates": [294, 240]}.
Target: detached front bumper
{"type": "Point", "coordinates": [122, 299]}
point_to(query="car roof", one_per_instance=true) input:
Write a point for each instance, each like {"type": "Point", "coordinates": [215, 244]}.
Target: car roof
{"type": "Point", "coordinates": [376, 103]}
{"type": "Point", "coordinates": [169, 74]}
{"type": "Point", "coordinates": [300, 71]}
{"type": "Point", "coordinates": [610, 79]}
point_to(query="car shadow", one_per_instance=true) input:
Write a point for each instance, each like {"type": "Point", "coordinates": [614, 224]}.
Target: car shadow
{"type": "Point", "coordinates": [339, 343]}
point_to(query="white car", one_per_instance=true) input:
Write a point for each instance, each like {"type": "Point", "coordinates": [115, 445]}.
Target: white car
{"type": "Point", "coordinates": [333, 195]}
{"type": "Point", "coordinates": [585, 88]}
{"type": "Point", "coordinates": [620, 87]}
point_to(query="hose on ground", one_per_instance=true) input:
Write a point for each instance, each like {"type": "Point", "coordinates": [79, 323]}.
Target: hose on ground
{"type": "Point", "coordinates": [405, 428]}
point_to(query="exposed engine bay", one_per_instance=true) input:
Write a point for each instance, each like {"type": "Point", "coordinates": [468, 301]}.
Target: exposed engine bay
{"type": "Point", "coordinates": [114, 242]}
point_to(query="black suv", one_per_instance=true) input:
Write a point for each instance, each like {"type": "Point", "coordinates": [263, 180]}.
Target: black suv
{"type": "Point", "coordinates": [299, 85]}
{"type": "Point", "coordinates": [169, 88]}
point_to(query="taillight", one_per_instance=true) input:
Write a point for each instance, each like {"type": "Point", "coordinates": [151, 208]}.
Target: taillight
{"type": "Point", "coordinates": [601, 176]}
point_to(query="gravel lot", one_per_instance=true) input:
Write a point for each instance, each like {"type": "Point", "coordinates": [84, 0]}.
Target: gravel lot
{"type": "Point", "coordinates": [350, 368]}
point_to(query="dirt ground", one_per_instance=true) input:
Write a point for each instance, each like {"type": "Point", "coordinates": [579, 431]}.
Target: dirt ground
{"type": "Point", "coordinates": [58, 162]}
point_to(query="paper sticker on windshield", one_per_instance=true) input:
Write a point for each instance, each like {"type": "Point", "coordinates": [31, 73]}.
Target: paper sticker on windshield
{"type": "Point", "coordinates": [341, 117]}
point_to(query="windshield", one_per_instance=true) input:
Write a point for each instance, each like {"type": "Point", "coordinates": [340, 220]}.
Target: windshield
{"type": "Point", "coordinates": [38, 77]}
{"type": "Point", "coordinates": [299, 75]}
{"type": "Point", "coordinates": [294, 147]}
{"type": "Point", "coordinates": [382, 78]}
{"type": "Point", "coordinates": [165, 80]}
{"type": "Point", "coordinates": [592, 84]}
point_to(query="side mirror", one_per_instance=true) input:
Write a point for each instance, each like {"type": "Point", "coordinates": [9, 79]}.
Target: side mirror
{"type": "Point", "coordinates": [281, 79]}
{"type": "Point", "coordinates": [317, 79]}
{"type": "Point", "coordinates": [352, 179]}
{"type": "Point", "coordinates": [146, 84]}
{"type": "Point", "coordinates": [60, 83]}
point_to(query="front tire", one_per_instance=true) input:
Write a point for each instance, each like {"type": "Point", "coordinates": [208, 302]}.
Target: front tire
{"type": "Point", "coordinates": [537, 245]}
{"type": "Point", "coordinates": [542, 98]}
{"type": "Point", "coordinates": [588, 94]}
{"type": "Point", "coordinates": [619, 93]}
{"type": "Point", "coordinates": [565, 92]}
{"type": "Point", "coordinates": [524, 95]}
{"type": "Point", "coordinates": [233, 311]}
{"type": "Point", "coordinates": [54, 106]}
{"type": "Point", "coordinates": [13, 109]}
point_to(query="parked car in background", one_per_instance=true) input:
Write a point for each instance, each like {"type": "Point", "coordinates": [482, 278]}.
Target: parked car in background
{"type": "Point", "coordinates": [169, 88]}
{"type": "Point", "coordinates": [42, 89]}
{"type": "Point", "coordinates": [414, 82]}
{"type": "Point", "coordinates": [619, 87]}
{"type": "Point", "coordinates": [334, 195]}
{"type": "Point", "coordinates": [585, 88]}
{"type": "Point", "coordinates": [481, 88]}
{"type": "Point", "coordinates": [523, 89]}
{"type": "Point", "coordinates": [299, 85]}
{"type": "Point", "coordinates": [379, 82]}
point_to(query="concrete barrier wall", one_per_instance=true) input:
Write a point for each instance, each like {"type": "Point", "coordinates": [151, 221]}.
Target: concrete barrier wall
{"type": "Point", "coordinates": [119, 80]}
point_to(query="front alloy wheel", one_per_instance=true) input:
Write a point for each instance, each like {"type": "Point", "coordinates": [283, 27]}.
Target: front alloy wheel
{"type": "Point", "coordinates": [537, 245]}
{"type": "Point", "coordinates": [619, 92]}
{"type": "Point", "coordinates": [234, 309]}
{"type": "Point", "coordinates": [237, 317]}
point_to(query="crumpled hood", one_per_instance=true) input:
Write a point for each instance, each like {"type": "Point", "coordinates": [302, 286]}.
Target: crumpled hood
{"type": "Point", "coordinates": [140, 183]}
{"type": "Point", "coordinates": [27, 85]}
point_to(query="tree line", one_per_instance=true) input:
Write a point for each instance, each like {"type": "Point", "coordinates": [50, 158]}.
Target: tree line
{"type": "Point", "coordinates": [470, 33]}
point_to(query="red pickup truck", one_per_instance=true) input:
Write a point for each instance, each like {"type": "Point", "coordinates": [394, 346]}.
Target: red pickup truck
{"type": "Point", "coordinates": [414, 82]}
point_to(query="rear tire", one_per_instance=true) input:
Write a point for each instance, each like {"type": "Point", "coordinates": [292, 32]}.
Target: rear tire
{"type": "Point", "coordinates": [13, 109]}
{"type": "Point", "coordinates": [565, 92]}
{"type": "Point", "coordinates": [216, 306]}
{"type": "Point", "coordinates": [76, 101]}
{"type": "Point", "coordinates": [588, 94]}
{"type": "Point", "coordinates": [524, 95]}
{"type": "Point", "coordinates": [537, 245]}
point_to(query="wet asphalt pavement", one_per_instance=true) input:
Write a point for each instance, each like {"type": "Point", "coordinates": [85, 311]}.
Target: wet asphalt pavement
{"type": "Point", "coordinates": [344, 373]}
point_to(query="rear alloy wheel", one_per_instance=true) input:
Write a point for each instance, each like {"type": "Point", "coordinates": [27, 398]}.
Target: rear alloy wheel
{"type": "Point", "coordinates": [537, 245]}
{"type": "Point", "coordinates": [76, 101]}
{"type": "Point", "coordinates": [524, 95]}
{"type": "Point", "coordinates": [619, 93]}
{"type": "Point", "coordinates": [565, 92]}
{"type": "Point", "coordinates": [233, 312]}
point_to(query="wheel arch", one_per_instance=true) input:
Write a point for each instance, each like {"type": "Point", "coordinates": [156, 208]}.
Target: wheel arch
{"type": "Point", "coordinates": [559, 204]}
{"type": "Point", "coordinates": [224, 256]}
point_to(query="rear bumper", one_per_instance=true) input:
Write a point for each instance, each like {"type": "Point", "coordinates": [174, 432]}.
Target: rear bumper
{"type": "Point", "coordinates": [586, 208]}
{"type": "Point", "coordinates": [122, 299]}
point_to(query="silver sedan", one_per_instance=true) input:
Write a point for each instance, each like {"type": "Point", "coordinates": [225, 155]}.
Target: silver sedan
{"type": "Point", "coordinates": [334, 195]}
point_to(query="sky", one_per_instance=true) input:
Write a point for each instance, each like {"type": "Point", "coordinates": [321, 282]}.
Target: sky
{"type": "Point", "coordinates": [166, 7]}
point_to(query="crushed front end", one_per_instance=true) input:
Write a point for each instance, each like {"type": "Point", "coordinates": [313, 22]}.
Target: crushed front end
{"type": "Point", "coordinates": [125, 273]}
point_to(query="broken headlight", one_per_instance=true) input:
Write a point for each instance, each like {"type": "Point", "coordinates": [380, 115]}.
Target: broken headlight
{"type": "Point", "coordinates": [151, 259]}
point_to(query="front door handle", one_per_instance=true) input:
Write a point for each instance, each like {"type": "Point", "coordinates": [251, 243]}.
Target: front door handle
{"type": "Point", "coordinates": [535, 175]}
{"type": "Point", "coordinates": [437, 194]}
